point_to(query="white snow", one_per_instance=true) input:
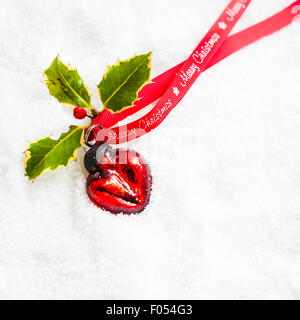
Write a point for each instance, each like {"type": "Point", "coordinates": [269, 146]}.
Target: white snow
{"type": "Point", "coordinates": [224, 216]}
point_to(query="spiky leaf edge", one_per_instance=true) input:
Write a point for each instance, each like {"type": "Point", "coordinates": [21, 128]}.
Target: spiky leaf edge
{"type": "Point", "coordinates": [138, 90]}
{"type": "Point", "coordinates": [86, 105]}
{"type": "Point", "coordinates": [72, 158]}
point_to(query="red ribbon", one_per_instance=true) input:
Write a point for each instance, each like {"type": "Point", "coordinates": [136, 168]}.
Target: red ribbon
{"type": "Point", "coordinates": [173, 84]}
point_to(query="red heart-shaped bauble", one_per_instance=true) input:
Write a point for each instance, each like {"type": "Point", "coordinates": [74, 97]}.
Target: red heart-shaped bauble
{"type": "Point", "coordinates": [121, 183]}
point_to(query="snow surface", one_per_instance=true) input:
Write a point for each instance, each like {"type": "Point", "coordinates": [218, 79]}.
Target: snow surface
{"type": "Point", "coordinates": [224, 216]}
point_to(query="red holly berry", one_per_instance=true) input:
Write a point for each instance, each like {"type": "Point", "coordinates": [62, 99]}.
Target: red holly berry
{"type": "Point", "coordinates": [79, 113]}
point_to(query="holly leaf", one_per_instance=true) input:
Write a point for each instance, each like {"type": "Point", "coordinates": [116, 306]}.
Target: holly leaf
{"type": "Point", "coordinates": [66, 85]}
{"type": "Point", "coordinates": [48, 154]}
{"type": "Point", "coordinates": [120, 85]}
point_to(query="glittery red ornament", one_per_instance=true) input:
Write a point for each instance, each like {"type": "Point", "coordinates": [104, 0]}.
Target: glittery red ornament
{"type": "Point", "coordinates": [120, 180]}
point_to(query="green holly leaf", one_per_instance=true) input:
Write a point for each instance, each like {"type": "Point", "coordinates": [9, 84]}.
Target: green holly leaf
{"type": "Point", "coordinates": [48, 154]}
{"type": "Point", "coordinates": [120, 85]}
{"type": "Point", "coordinates": [66, 85]}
